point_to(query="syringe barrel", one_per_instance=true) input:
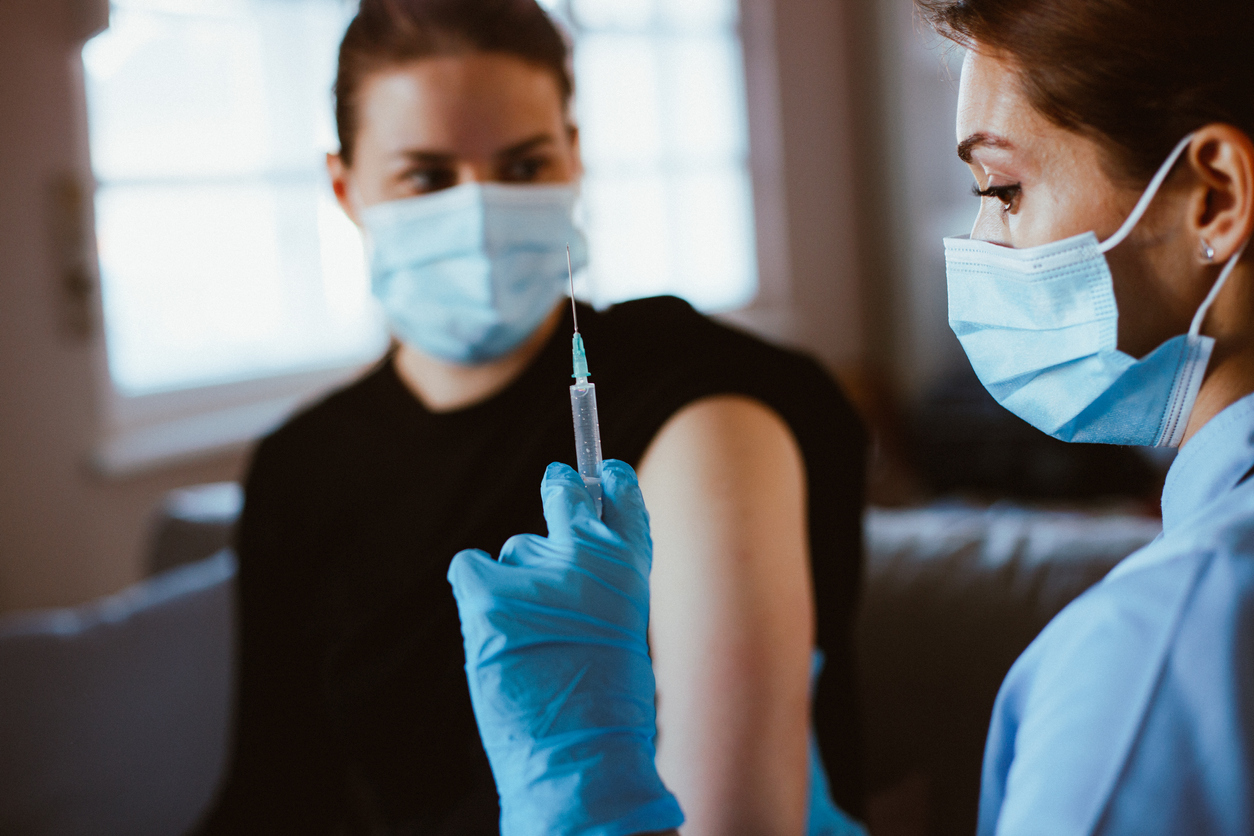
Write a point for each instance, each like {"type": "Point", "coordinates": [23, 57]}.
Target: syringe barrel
{"type": "Point", "coordinates": [583, 405]}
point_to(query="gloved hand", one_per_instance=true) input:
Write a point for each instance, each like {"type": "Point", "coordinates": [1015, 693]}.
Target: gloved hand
{"type": "Point", "coordinates": [558, 664]}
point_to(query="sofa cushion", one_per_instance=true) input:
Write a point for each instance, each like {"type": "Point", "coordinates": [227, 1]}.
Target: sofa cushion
{"type": "Point", "coordinates": [953, 594]}
{"type": "Point", "coordinates": [114, 715]}
{"type": "Point", "coordinates": [193, 523]}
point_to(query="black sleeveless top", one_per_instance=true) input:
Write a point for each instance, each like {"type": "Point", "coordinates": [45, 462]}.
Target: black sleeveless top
{"type": "Point", "coordinates": [353, 714]}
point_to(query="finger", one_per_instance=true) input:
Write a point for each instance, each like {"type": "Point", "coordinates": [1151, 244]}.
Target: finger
{"type": "Point", "coordinates": [476, 580]}
{"type": "Point", "coordinates": [623, 507]}
{"type": "Point", "coordinates": [567, 502]}
{"type": "Point", "coordinates": [469, 572]}
{"type": "Point", "coordinates": [521, 549]}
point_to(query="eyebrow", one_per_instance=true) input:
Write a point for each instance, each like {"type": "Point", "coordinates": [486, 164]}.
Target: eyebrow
{"type": "Point", "coordinates": [981, 139]}
{"type": "Point", "coordinates": [525, 146]}
{"type": "Point", "coordinates": [444, 158]}
{"type": "Point", "coordinates": [428, 157]}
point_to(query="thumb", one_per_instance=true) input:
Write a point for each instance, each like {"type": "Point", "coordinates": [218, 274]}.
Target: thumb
{"type": "Point", "coordinates": [567, 502]}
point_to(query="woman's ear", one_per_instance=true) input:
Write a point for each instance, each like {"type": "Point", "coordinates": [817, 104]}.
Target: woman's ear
{"type": "Point", "coordinates": [338, 172]}
{"type": "Point", "coordinates": [1222, 158]}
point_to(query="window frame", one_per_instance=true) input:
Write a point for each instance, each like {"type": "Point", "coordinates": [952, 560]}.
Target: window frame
{"type": "Point", "coordinates": [148, 431]}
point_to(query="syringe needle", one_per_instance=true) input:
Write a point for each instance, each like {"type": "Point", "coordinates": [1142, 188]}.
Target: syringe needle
{"type": "Point", "coordinates": [574, 313]}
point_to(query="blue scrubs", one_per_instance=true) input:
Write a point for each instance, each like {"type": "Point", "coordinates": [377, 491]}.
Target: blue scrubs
{"type": "Point", "coordinates": [1133, 711]}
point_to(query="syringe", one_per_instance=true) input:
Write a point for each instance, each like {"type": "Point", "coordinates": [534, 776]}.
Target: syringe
{"type": "Point", "coordinates": [583, 405]}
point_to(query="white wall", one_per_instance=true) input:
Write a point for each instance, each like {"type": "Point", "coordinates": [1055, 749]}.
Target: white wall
{"type": "Point", "coordinates": [66, 534]}
{"type": "Point", "coordinates": [802, 135]}
{"type": "Point", "coordinates": [916, 191]}
{"type": "Point", "coordinates": [851, 109]}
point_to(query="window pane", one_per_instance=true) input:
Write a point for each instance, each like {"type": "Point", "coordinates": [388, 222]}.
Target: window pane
{"type": "Point", "coordinates": [689, 235]}
{"type": "Point", "coordinates": [703, 14]}
{"type": "Point", "coordinates": [713, 250]}
{"type": "Point", "coordinates": [213, 283]}
{"type": "Point", "coordinates": [243, 91]}
{"type": "Point", "coordinates": [619, 103]}
{"type": "Point", "coordinates": [175, 97]}
{"type": "Point", "coordinates": [628, 237]}
{"type": "Point", "coordinates": [664, 137]}
{"type": "Point", "coordinates": [705, 99]}
{"type": "Point", "coordinates": [223, 256]}
{"type": "Point", "coordinates": [615, 14]}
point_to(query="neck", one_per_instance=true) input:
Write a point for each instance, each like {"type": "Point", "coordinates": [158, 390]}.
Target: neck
{"type": "Point", "coordinates": [443, 386]}
{"type": "Point", "coordinates": [1230, 375]}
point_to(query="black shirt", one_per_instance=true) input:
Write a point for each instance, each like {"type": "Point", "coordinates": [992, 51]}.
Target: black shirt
{"type": "Point", "coordinates": [353, 714]}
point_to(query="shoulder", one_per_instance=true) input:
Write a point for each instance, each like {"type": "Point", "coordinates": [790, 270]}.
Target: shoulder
{"type": "Point", "coordinates": [305, 478]}
{"type": "Point", "coordinates": [1114, 681]}
{"type": "Point", "coordinates": [335, 417]}
{"type": "Point", "coordinates": [727, 434]}
{"type": "Point", "coordinates": [668, 329]}
{"type": "Point", "coordinates": [1067, 713]}
{"type": "Point", "coordinates": [666, 349]}
{"type": "Point", "coordinates": [314, 450]}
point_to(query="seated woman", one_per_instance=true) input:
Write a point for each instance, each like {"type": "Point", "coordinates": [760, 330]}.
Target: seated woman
{"type": "Point", "coordinates": [460, 162]}
{"type": "Point", "coordinates": [1105, 295]}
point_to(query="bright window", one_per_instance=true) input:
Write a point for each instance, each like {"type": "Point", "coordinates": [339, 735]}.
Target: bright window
{"type": "Point", "coordinates": [223, 255]}
{"type": "Point", "coordinates": [225, 262]}
{"type": "Point", "coordinates": [661, 107]}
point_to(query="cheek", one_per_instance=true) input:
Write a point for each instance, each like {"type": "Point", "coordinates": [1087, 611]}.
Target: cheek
{"type": "Point", "coordinates": [1046, 215]}
{"type": "Point", "coordinates": [1038, 217]}
{"type": "Point", "coordinates": [371, 187]}
{"type": "Point", "coordinates": [1069, 198]}
{"type": "Point", "coordinates": [376, 180]}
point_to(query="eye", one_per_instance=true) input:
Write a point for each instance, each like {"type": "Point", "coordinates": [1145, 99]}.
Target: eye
{"type": "Point", "coordinates": [524, 170]}
{"type": "Point", "coordinates": [1007, 195]}
{"type": "Point", "coordinates": [430, 179]}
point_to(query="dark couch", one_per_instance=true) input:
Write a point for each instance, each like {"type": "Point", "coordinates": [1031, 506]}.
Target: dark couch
{"type": "Point", "coordinates": [114, 716]}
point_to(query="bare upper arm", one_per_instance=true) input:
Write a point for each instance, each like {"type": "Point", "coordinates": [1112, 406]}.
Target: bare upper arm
{"type": "Point", "coordinates": [732, 620]}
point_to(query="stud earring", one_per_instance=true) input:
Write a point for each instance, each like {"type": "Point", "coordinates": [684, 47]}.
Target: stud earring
{"type": "Point", "coordinates": [1208, 252]}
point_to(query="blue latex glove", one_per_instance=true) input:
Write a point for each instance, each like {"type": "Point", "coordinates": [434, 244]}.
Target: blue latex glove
{"type": "Point", "coordinates": [823, 817]}
{"type": "Point", "coordinates": [558, 664]}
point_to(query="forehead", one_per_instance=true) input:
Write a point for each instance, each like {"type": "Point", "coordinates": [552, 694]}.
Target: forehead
{"type": "Point", "coordinates": [459, 101]}
{"type": "Point", "coordinates": [1002, 130]}
{"type": "Point", "coordinates": [991, 100]}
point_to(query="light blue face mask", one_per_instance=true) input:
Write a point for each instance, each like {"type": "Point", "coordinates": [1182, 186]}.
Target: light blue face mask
{"type": "Point", "coordinates": [469, 273]}
{"type": "Point", "coordinates": [1040, 328]}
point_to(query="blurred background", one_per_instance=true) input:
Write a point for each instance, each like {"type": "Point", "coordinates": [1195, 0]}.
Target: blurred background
{"type": "Point", "coordinates": [175, 277]}
{"type": "Point", "coordinates": [178, 278]}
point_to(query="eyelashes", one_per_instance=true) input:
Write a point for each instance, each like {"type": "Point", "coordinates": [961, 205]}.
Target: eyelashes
{"type": "Point", "coordinates": [1006, 195]}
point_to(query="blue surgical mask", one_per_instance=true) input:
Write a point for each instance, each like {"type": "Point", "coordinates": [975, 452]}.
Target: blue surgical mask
{"type": "Point", "coordinates": [469, 273]}
{"type": "Point", "coordinates": [1040, 327]}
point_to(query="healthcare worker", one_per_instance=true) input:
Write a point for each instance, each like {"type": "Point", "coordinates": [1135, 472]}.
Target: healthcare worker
{"type": "Point", "coordinates": [1105, 295]}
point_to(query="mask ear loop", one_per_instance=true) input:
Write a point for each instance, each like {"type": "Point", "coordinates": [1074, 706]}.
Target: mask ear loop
{"type": "Point", "coordinates": [1184, 392]}
{"type": "Point", "coordinates": [1150, 192]}
{"type": "Point", "coordinates": [1196, 327]}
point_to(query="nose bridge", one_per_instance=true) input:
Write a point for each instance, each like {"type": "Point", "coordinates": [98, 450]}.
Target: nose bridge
{"type": "Point", "coordinates": [986, 227]}
{"type": "Point", "coordinates": [475, 170]}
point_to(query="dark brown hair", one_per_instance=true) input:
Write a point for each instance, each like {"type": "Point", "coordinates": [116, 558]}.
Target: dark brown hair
{"type": "Point", "coordinates": [386, 33]}
{"type": "Point", "coordinates": [1138, 75]}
